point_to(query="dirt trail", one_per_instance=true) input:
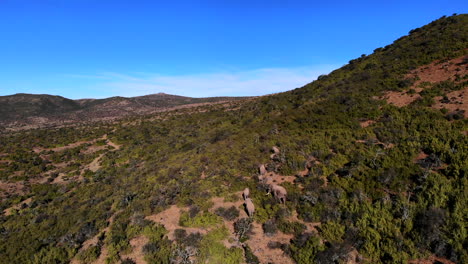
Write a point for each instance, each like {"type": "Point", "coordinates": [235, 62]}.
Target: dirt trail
{"type": "Point", "coordinates": [94, 165]}
{"type": "Point", "coordinates": [62, 148]}
{"type": "Point", "coordinates": [94, 241]}
{"type": "Point", "coordinates": [137, 254]}
{"type": "Point", "coordinates": [366, 123]}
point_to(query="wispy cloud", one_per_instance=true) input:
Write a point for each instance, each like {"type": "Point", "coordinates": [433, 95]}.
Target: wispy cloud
{"type": "Point", "coordinates": [249, 83]}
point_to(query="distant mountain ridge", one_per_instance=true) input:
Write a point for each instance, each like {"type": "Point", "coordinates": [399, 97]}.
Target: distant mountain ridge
{"type": "Point", "coordinates": [43, 110]}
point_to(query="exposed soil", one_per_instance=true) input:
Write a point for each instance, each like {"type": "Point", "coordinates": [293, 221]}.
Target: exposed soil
{"type": "Point", "coordinates": [439, 71]}
{"type": "Point", "coordinates": [421, 156]}
{"type": "Point", "coordinates": [432, 73]}
{"type": "Point", "coordinates": [62, 148]}
{"type": "Point", "coordinates": [401, 99]}
{"type": "Point", "coordinates": [110, 143]}
{"type": "Point", "coordinates": [376, 142]}
{"type": "Point", "coordinates": [279, 179]}
{"type": "Point", "coordinates": [94, 240]}
{"type": "Point", "coordinates": [92, 149]}
{"type": "Point", "coordinates": [137, 254]}
{"type": "Point", "coordinates": [95, 165]}
{"type": "Point", "coordinates": [10, 188]}
{"type": "Point", "coordinates": [431, 260]}
{"type": "Point", "coordinates": [366, 123]}
{"type": "Point", "coordinates": [9, 211]}
{"type": "Point", "coordinates": [457, 101]}
{"type": "Point", "coordinates": [169, 218]}
{"type": "Point", "coordinates": [258, 242]}
{"type": "Point", "coordinates": [218, 202]}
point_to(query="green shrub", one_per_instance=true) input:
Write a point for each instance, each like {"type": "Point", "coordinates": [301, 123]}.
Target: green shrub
{"type": "Point", "coordinates": [332, 231]}
{"type": "Point", "coordinates": [205, 220]}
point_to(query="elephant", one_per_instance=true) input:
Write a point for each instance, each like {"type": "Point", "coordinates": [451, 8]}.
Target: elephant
{"type": "Point", "coordinates": [261, 178]}
{"type": "Point", "coordinates": [249, 206]}
{"type": "Point", "coordinates": [268, 180]}
{"type": "Point", "coordinates": [246, 193]}
{"type": "Point", "coordinates": [262, 169]}
{"type": "Point", "coordinates": [279, 192]}
{"type": "Point", "coordinates": [275, 150]}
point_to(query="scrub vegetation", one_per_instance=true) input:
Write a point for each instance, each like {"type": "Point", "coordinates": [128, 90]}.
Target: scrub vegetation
{"type": "Point", "coordinates": [390, 191]}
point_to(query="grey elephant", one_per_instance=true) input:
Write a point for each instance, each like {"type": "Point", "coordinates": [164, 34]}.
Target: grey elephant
{"type": "Point", "coordinates": [249, 206]}
{"type": "Point", "coordinates": [275, 150]}
{"type": "Point", "coordinates": [279, 192]}
{"type": "Point", "coordinates": [246, 193]}
{"type": "Point", "coordinates": [262, 169]}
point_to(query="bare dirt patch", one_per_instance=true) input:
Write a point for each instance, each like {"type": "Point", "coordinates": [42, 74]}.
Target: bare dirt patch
{"type": "Point", "coordinates": [258, 242]}
{"type": "Point", "coordinates": [279, 179]}
{"type": "Point", "coordinates": [375, 141]}
{"type": "Point", "coordinates": [10, 188]}
{"type": "Point", "coordinates": [137, 254]}
{"type": "Point", "coordinates": [60, 179]}
{"type": "Point", "coordinates": [93, 149]}
{"type": "Point", "coordinates": [431, 260]}
{"type": "Point", "coordinates": [218, 202]}
{"type": "Point", "coordinates": [457, 101]}
{"type": "Point", "coordinates": [169, 218]}
{"type": "Point", "coordinates": [366, 123]}
{"type": "Point", "coordinates": [94, 241]}
{"type": "Point", "coordinates": [432, 73]}
{"type": "Point", "coordinates": [110, 143]}
{"type": "Point", "coordinates": [421, 155]}
{"type": "Point", "coordinates": [62, 148]}
{"type": "Point", "coordinates": [439, 71]}
{"type": "Point", "coordinates": [95, 165]}
{"type": "Point", "coordinates": [400, 99]}
{"type": "Point", "coordinates": [9, 211]}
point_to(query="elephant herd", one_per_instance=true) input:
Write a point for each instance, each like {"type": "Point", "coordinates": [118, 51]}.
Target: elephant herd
{"type": "Point", "coordinates": [279, 192]}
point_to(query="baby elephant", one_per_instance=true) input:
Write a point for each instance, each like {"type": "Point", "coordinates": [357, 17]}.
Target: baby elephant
{"type": "Point", "coordinates": [279, 192]}
{"type": "Point", "coordinates": [246, 193]}
{"type": "Point", "coordinates": [249, 206]}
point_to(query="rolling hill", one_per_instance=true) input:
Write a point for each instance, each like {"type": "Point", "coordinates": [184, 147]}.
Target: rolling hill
{"type": "Point", "coordinates": [26, 111]}
{"type": "Point", "coordinates": [373, 157]}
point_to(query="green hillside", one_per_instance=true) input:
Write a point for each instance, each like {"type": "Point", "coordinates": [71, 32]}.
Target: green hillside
{"type": "Point", "coordinates": [367, 181]}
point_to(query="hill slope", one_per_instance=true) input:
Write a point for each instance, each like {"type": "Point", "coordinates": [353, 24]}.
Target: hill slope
{"type": "Point", "coordinates": [25, 111]}
{"type": "Point", "coordinates": [367, 181]}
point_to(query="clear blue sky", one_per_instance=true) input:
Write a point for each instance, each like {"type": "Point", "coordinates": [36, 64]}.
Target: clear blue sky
{"type": "Point", "coordinates": [89, 48]}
